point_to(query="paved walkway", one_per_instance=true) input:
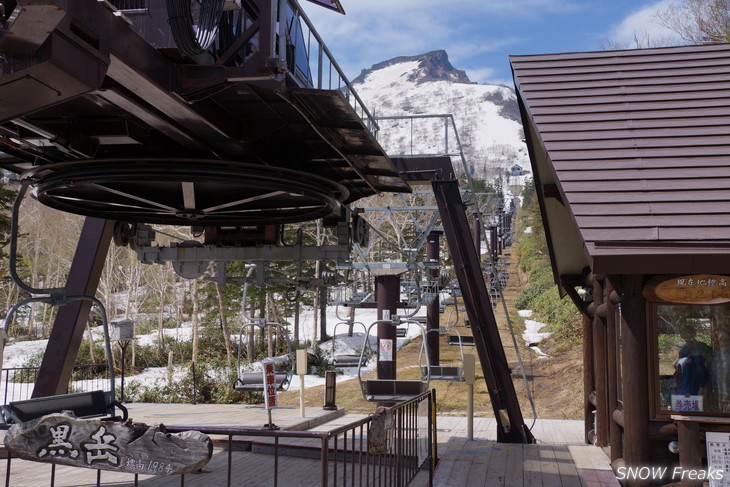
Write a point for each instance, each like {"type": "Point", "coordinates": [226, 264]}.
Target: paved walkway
{"type": "Point", "coordinates": [559, 459]}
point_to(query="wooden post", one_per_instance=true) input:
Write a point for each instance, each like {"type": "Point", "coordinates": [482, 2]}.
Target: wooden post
{"type": "Point", "coordinates": [690, 454]}
{"type": "Point", "coordinates": [635, 380]}
{"type": "Point", "coordinates": [599, 365]}
{"type": "Point", "coordinates": [587, 375]}
{"type": "Point", "coordinates": [615, 439]}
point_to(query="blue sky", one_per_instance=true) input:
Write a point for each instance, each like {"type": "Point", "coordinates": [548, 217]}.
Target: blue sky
{"type": "Point", "coordinates": [478, 35]}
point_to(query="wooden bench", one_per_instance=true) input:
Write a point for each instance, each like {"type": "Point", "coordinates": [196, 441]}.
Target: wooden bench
{"type": "Point", "coordinates": [82, 404]}
{"type": "Point", "coordinates": [388, 390]}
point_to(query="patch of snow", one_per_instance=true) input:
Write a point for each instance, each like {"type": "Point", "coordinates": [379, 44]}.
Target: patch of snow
{"type": "Point", "coordinates": [532, 332]}
{"type": "Point", "coordinates": [527, 230]}
{"type": "Point", "coordinates": [533, 335]}
{"type": "Point", "coordinates": [525, 313]}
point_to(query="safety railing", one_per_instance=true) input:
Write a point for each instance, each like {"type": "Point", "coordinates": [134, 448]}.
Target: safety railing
{"type": "Point", "coordinates": [312, 64]}
{"type": "Point", "coordinates": [17, 382]}
{"type": "Point", "coordinates": [387, 449]}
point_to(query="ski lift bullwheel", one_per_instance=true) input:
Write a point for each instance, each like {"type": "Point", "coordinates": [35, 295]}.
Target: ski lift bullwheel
{"type": "Point", "coordinates": [186, 191]}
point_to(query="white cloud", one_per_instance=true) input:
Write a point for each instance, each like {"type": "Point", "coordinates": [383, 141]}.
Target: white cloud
{"type": "Point", "coordinates": [642, 26]}
{"type": "Point", "coordinates": [376, 30]}
{"type": "Point", "coordinates": [481, 75]}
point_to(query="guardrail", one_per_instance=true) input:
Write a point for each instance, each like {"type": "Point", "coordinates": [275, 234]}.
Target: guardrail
{"type": "Point", "coordinates": [18, 382]}
{"type": "Point", "coordinates": [387, 449]}
{"type": "Point", "coordinates": [312, 64]}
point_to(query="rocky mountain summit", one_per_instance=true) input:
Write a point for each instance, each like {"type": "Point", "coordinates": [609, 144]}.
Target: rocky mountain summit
{"type": "Point", "coordinates": [412, 88]}
{"type": "Point", "coordinates": [432, 66]}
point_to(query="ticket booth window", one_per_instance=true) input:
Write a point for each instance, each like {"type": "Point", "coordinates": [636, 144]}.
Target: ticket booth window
{"type": "Point", "coordinates": [693, 358]}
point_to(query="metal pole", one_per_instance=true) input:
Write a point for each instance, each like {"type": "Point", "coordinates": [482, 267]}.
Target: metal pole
{"type": "Point", "coordinates": [432, 310]}
{"type": "Point", "coordinates": [387, 292]}
{"type": "Point", "coordinates": [123, 346]}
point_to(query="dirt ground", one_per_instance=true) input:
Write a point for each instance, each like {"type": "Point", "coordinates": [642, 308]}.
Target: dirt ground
{"type": "Point", "coordinates": [556, 383]}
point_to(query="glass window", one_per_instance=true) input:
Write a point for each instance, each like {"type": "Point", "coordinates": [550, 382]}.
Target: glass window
{"type": "Point", "coordinates": [693, 348]}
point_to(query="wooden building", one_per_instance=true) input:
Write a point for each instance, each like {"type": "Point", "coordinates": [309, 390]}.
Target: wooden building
{"type": "Point", "coordinates": [630, 153]}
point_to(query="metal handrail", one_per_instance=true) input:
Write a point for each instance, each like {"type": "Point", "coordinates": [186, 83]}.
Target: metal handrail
{"type": "Point", "coordinates": [322, 50]}
{"type": "Point", "coordinates": [344, 453]}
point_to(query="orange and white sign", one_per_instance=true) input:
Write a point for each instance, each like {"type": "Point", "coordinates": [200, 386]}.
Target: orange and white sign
{"type": "Point", "coordinates": [270, 396]}
{"type": "Point", "coordinates": [693, 289]}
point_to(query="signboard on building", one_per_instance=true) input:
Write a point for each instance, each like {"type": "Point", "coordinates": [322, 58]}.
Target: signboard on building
{"type": "Point", "coordinates": [680, 402]}
{"type": "Point", "coordinates": [270, 397]}
{"type": "Point", "coordinates": [107, 445]}
{"type": "Point", "coordinates": [694, 289]}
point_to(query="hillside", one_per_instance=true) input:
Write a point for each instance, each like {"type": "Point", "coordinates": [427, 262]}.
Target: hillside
{"type": "Point", "coordinates": [486, 116]}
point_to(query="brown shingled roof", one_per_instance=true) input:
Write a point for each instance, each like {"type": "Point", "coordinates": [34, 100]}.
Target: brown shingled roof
{"type": "Point", "coordinates": [631, 156]}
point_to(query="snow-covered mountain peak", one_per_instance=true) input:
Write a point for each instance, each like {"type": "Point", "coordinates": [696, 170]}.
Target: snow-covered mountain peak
{"type": "Point", "coordinates": [432, 66]}
{"type": "Point", "coordinates": [486, 116]}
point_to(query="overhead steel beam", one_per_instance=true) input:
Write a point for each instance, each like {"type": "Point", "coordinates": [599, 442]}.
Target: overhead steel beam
{"type": "Point", "coordinates": [261, 253]}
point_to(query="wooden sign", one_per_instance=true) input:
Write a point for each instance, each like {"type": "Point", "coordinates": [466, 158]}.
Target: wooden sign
{"type": "Point", "coordinates": [106, 445]}
{"type": "Point", "coordinates": [270, 397]}
{"type": "Point", "coordinates": [694, 289]}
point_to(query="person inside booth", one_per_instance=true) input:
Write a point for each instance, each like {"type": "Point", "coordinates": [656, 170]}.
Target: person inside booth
{"type": "Point", "coordinates": [692, 370]}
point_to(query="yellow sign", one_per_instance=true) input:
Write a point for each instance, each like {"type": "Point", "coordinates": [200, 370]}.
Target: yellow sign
{"type": "Point", "coordinates": [695, 289]}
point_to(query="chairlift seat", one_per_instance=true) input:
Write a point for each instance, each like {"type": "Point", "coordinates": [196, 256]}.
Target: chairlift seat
{"type": "Point", "coordinates": [254, 381]}
{"type": "Point", "coordinates": [83, 405]}
{"type": "Point", "coordinates": [401, 332]}
{"type": "Point", "coordinates": [350, 360]}
{"type": "Point", "coordinates": [442, 372]}
{"type": "Point", "coordinates": [389, 390]}
{"type": "Point", "coordinates": [466, 340]}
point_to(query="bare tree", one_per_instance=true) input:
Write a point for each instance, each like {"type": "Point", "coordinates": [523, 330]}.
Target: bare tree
{"type": "Point", "coordinates": [224, 324]}
{"type": "Point", "coordinates": [698, 21]}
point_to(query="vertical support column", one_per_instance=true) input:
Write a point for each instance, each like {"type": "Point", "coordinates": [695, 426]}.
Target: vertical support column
{"type": "Point", "coordinates": [636, 374]}
{"type": "Point", "coordinates": [68, 328]}
{"type": "Point", "coordinates": [599, 363]}
{"type": "Point", "coordinates": [432, 310]}
{"type": "Point", "coordinates": [493, 244]}
{"type": "Point", "coordinates": [387, 292]}
{"type": "Point", "coordinates": [614, 431]}
{"type": "Point", "coordinates": [588, 382]}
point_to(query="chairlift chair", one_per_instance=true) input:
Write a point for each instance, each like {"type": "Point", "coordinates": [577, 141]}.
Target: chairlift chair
{"type": "Point", "coordinates": [393, 390]}
{"type": "Point", "coordinates": [445, 372]}
{"type": "Point", "coordinates": [348, 360]}
{"type": "Point", "coordinates": [254, 381]}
